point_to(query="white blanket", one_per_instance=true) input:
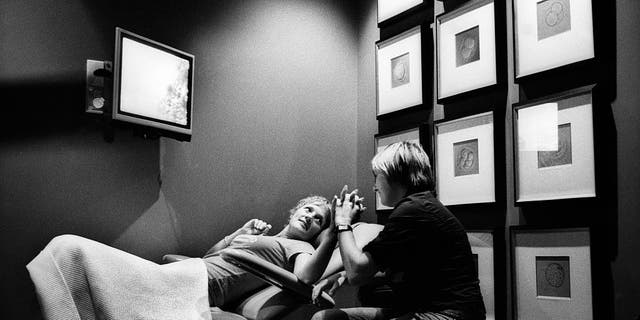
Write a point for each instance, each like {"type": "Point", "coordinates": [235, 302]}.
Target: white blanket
{"type": "Point", "coordinates": [78, 278]}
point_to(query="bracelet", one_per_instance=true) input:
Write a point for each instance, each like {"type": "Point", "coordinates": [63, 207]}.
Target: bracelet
{"type": "Point", "coordinates": [343, 227]}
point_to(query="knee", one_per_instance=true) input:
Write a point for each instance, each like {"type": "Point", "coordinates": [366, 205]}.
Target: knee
{"type": "Point", "coordinates": [64, 241]}
{"type": "Point", "coordinates": [67, 243]}
{"type": "Point", "coordinates": [319, 315]}
{"type": "Point", "coordinates": [330, 314]}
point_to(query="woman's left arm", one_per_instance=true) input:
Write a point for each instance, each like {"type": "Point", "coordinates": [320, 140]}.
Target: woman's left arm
{"type": "Point", "coordinates": [309, 267]}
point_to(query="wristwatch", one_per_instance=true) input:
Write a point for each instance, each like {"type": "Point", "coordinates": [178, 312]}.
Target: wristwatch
{"type": "Point", "coordinates": [343, 227]}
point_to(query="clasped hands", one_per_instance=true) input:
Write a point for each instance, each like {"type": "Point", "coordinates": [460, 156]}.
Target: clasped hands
{"type": "Point", "coordinates": [347, 208]}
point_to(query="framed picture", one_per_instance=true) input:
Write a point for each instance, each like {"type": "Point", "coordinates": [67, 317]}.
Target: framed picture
{"type": "Point", "coordinates": [464, 160]}
{"type": "Point", "coordinates": [388, 9]}
{"type": "Point", "coordinates": [382, 141]}
{"type": "Point", "coordinates": [487, 247]}
{"type": "Point", "coordinates": [466, 48]}
{"type": "Point", "coordinates": [551, 33]}
{"type": "Point", "coordinates": [552, 273]}
{"type": "Point", "coordinates": [399, 71]}
{"type": "Point", "coordinates": [554, 147]}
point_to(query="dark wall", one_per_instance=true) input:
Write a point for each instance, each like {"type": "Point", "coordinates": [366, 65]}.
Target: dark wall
{"type": "Point", "coordinates": [626, 111]}
{"type": "Point", "coordinates": [57, 173]}
{"type": "Point", "coordinates": [274, 119]}
{"type": "Point", "coordinates": [285, 107]}
{"type": "Point", "coordinates": [367, 124]}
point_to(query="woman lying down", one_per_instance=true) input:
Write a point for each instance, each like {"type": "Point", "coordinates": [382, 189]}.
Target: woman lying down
{"type": "Point", "coordinates": [79, 278]}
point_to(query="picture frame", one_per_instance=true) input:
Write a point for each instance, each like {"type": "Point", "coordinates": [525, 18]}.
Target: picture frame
{"type": "Point", "coordinates": [399, 78]}
{"type": "Point", "coordinates": [554, 147]}
{"type": "Point", "coordinates": [488, 249]}
{"type": "Point", "coordinates": [465, 159]}
{"type": "Point", "coordinates": [466, 55]}
{"type": "Point", "coordinates": [549, 34]}
{"type": "Point", "coordinates": [381, 141]}
{"type": "Point", "coordinates": [389, 10]}
{"type": "Point", "coordinates": [552, 272]}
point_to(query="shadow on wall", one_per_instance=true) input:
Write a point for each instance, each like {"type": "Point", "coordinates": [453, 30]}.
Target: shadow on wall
{"type": "Point", "coordinates": [59, 176]}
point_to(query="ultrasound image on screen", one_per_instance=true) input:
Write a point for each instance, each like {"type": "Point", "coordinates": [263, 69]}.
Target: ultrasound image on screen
{"type": "Point", "coordinates": [154, 84]}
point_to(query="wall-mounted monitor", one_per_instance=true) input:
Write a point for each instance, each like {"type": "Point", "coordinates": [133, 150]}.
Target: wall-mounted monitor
{"type": "Point", "coordinates": [153, 84]}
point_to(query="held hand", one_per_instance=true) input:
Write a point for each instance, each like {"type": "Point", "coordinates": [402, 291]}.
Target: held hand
{"type": "Point", "coordinates": [348, 207]}
{"type": "Point", "coordinates": [255, 227]}
{"type": "Point", "coordinates": [330, 231]}
{"type": "Point", "coordinates": [329, 285]}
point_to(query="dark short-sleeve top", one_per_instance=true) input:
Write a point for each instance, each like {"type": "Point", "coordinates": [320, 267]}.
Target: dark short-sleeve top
{"type": "Point", "coordinates": [228, 283]}
{"type": "Point", "coordinates": [426, 254]}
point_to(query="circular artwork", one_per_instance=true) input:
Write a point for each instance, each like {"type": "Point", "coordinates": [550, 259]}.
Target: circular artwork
{"type": "Point", "coordinates": [400, 72]}
{"type": "Point", "coordinates": [468, 48]}
{"type": "Point", "coordinates": [554, 274]}
{"type": "Point", "coordinates": [466, 159]}
{"type": "Point", "coordinates": [555, 14]}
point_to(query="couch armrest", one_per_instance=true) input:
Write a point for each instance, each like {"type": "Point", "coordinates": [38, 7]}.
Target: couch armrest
{"type": "Point", "coordinates": [168, 258]}
{"type": "Point", "coordinates": [275, 275]}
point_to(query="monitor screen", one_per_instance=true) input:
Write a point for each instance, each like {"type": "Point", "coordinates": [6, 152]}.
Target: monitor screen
{"type": "Point", "coordinates": [153, 84]}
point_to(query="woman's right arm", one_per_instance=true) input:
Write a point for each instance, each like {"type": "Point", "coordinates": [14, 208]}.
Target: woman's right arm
{"type": "Point", "coordinates": [224, 242]}
{"type": "Point", "coordinates": [359, 265]}
{"type": "Point", "coordinates": [253, 226]}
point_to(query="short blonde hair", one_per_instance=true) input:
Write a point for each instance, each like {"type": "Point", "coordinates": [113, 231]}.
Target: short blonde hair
{"type": "Point", "coordinates": [320, 201]}
{"type": "Point", "coordinates": [406, 163]}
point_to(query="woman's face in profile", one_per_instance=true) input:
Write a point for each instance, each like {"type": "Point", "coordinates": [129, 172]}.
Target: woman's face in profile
{"type": "Point", "coordinates": [383, 188]}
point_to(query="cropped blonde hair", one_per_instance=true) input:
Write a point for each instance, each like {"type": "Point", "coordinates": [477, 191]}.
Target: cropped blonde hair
{"type": "Point", "coordinates": [320, 201]}
{"type": "Point", "coordinates": [406, 163]}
